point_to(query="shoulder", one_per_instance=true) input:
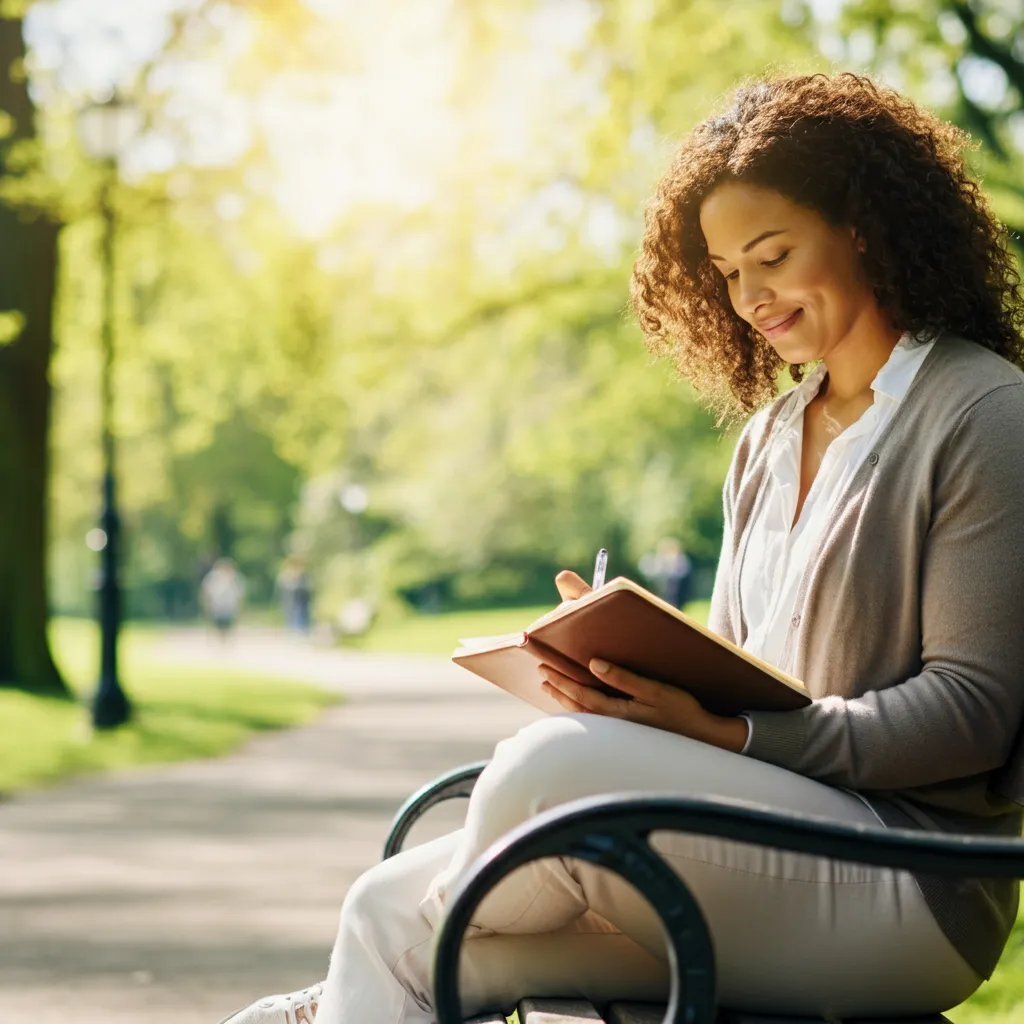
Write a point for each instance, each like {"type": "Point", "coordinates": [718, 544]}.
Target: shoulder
{"type": "Point", "coordinates": [966, 372]}
{"type": "Point", "coordinates": [971, 406]}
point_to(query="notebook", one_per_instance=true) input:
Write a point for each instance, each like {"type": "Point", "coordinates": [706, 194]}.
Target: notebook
{"type": "Point", "coordinates": [627, 625]}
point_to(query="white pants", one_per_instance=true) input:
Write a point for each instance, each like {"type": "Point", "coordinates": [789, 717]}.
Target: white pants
{"type": "Point", "coordinates": [792, 933]}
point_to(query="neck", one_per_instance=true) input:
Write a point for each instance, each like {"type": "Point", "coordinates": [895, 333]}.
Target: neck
{"type": "Point", "coordinates": [854, 362]}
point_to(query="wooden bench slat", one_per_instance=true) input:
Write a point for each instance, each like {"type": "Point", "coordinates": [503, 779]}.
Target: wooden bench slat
{"type": "Point", "coordinates": [557, 1011]}
{"type": "Point", "coordinates": [579, 1011]}
{"type": "Point", "coordinates": [636, 1013]}
{"type": "Point", "coordinates": [654, 1013]}
{"type": "Point", "coordinates": [742, 1017]}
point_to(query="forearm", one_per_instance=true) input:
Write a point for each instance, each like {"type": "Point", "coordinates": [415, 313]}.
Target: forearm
{"type": "Point", "coordinates": [727, 733]}
{"type": "Point", "coordinates": [924, 731]}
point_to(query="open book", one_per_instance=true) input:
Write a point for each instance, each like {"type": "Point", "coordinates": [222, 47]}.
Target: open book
{"type": "Point", "coordinates": [631, 627]}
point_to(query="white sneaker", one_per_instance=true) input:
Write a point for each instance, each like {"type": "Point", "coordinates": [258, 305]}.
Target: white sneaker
{"type": "Point", "coordinates": [295, 1008]}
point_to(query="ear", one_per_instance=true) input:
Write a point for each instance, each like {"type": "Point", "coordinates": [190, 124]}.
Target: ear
{"type": "Point", "coordinates": [859, 244]}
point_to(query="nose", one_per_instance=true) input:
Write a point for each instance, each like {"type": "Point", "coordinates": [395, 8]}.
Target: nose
{"type": "Point", "coordinates": [753, 293]}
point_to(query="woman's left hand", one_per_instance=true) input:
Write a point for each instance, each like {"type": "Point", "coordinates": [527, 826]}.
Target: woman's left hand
{"type": "Point", "coordinates": [652, 703]}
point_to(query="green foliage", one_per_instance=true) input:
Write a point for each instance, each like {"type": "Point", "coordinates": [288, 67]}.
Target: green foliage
{"type": "Point", "coordinates": [962, 59]}
{"type": "Point", "coordinates": [469, 361]}
{"type": "Point", "coordinates": [12, 323]}
{"type": "Point", "coordinates": [463, 352]}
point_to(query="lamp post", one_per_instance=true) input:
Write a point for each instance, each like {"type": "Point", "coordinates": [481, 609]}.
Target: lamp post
{"type": "Point", "coordinates": [105, 128]}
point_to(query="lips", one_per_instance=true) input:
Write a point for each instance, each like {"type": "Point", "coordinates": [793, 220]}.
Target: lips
{"type": "Point", "coordinates": [775, 326]}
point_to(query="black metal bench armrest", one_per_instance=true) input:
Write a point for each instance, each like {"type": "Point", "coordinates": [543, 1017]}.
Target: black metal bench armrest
{"type": "Point", "coordinates": [613, 832]}
{"type": "Point", "coordinates": [457, 783]}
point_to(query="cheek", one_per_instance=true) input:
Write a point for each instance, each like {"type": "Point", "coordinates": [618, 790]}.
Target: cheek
{"type": "Point", "coordinates": [815, 284]}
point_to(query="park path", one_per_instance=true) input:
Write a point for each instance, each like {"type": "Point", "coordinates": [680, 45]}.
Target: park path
{"type": "Point", "coordinates": [173, 894]}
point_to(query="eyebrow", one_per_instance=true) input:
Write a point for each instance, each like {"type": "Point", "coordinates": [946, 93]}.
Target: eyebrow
{"type": "Point", "coordinates": [750, 245]}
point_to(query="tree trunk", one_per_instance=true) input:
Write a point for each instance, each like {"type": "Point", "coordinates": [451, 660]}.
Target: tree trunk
{"type": "Point", "coordinates": [28, 277]}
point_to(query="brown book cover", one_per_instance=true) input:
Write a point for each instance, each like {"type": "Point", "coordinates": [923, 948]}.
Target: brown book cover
{"type": "Point", "coordinates": [627, 625]}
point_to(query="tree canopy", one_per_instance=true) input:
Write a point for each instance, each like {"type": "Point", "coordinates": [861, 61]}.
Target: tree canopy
{"type": "Point", "coordinates": [386, 247]}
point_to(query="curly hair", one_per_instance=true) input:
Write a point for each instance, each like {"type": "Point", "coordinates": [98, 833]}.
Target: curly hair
{"type": "Point", "coordinates": [859, 155]}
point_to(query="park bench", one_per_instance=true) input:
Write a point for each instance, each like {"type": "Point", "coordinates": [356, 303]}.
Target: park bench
{"type": "Point", "coordinates": [613, 832]}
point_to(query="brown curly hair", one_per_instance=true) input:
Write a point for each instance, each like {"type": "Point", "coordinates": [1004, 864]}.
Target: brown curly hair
{"type": "Point", "coordinates": [859, 155]}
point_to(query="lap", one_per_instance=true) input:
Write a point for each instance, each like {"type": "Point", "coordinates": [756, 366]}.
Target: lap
{"type": "Point", "coordinates": [798, 926]}
{"type": "Point", "coordinates": [566, 757]}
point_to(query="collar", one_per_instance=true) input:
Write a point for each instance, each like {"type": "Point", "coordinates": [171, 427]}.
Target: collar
{"type": "Point", "coordinates": [893, 379]}
{"type": "Point", "coordinates": [890, 383]}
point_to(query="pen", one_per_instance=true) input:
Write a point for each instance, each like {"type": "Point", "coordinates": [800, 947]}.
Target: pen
{"type": "Point", "coordinates": [600, 568]}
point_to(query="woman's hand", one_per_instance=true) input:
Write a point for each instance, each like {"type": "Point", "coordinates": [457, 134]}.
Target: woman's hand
{"type": "Point", "coordinates": [649, 703]}
{"type": "Point", "coordinates": [571, 585]}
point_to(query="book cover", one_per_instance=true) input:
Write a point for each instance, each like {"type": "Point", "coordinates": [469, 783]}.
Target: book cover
{"type": "Point", "coordinates": [627, 625]}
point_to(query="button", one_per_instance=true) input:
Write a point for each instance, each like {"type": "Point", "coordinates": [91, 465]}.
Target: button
{"type": "Point", "coordinates": [795, 621]}
{"type": "Point", "coordinates": [873, 458]}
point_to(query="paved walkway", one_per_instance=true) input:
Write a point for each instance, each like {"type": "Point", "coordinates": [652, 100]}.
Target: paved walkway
{"type": "Point", "coordinates": [172, 895]}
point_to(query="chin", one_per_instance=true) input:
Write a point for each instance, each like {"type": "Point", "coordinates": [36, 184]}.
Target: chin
{"type": "Point", "coordinates": [797, 354]}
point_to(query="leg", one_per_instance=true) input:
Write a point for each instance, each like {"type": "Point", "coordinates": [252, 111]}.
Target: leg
{"type": "Point", "coordinates": [793, 933]}
{"type": "Point", "coordinates": [381, 964]}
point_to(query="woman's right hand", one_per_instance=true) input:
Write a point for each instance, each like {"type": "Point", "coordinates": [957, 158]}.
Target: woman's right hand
{"type": "Point", "coordinates": [571, 585]}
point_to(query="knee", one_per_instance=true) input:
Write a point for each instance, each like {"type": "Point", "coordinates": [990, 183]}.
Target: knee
{"type": "Point", "coordinates": [360, 903]}
{"type": "Point", "coordinates": [534, 770]}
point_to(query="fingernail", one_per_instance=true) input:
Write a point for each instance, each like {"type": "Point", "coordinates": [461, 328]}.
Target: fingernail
{"type": "Point", "coordinates": [599, 666]}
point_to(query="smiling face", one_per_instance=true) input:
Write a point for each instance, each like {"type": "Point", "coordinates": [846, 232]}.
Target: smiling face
{"type": "Point", "coordinates": [792, 275]}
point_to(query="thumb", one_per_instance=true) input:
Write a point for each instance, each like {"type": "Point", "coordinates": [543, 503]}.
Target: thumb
{"type": "Point", "coordinates": [570, 585]}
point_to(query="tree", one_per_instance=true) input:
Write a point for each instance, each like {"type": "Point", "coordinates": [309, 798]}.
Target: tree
{"type": "Point", "coordinates": [28, 280]}
{"type": "Point", "coordinates": [964, 59]}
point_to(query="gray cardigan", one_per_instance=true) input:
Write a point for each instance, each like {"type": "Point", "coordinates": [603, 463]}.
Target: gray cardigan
{"type": "Point", "coordinates": [909, 630]}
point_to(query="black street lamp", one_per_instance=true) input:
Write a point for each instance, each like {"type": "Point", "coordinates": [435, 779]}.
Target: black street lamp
{"type": "Point", "coordinates": [105, 128]}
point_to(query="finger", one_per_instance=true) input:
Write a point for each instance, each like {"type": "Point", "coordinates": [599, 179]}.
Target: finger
{"type": "Point", "coordinates": [586, 697]}
{"type": "Point", "coordinates": [567, 702]}
{"type": "Point", "coordinates": [622, 679]}
{"type": "Point", "coordinates": [571, 585]}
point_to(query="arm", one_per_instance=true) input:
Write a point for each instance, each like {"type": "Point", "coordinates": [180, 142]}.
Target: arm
{"type": "Point", "coordinates": [959, 715]}
{"type": "Point", "coordinates": [653, 703]}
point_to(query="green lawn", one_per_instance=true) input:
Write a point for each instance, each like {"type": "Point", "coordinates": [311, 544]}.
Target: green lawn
{"type": "Point", "coordinates": [181, 712]}
{"type": "Point", "coordinates": [439, 634]}
{"type": "Point", "coordinates": [1000, 1000]}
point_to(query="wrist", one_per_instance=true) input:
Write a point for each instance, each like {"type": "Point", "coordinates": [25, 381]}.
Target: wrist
{"type": "Point", "coordinates": [725, 732]}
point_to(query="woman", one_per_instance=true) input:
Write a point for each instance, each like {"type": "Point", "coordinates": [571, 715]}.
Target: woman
{"type": "Point", "coordinates": [873, 517]}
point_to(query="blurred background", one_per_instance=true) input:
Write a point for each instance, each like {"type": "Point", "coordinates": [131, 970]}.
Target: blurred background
{"type": "Point", "coordinates": [314, 326]}
{"type": "Point", "coordinates": [370, 277]}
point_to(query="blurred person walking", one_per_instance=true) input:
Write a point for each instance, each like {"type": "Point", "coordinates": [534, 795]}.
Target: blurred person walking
{"type": "Point", "coordinates": [668, 568]}
{"type": "Point", "coordinates": [221, 594]}
{"type": "Point", "coordinates": [295, 592]}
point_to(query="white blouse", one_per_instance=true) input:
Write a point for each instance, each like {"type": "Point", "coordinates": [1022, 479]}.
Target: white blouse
{"type": "Point", "coordinates": [776, 553]}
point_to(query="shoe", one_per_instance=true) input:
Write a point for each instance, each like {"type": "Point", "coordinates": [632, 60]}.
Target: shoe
{"type": "Point", "coordinates": [295, 1008]}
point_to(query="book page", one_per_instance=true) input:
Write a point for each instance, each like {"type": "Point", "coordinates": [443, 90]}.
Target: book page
{"type": "Point", "coordinates": [470, 645]}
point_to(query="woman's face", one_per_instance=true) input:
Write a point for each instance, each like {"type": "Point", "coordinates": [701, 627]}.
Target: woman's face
{"type": "Point", "coordinates": [793, 276]}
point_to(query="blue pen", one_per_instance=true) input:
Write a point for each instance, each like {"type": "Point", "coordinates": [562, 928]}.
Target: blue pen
{"type": "Point", "coordinates": [600, 568]}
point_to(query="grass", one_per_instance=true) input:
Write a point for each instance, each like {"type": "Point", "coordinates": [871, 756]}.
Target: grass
{"type": "Point", "coordinates": [439, 634]}
{"type": "Point", "coordinates": [181, 712]}
{"type": "Point", "coordinates": [1001, 999]}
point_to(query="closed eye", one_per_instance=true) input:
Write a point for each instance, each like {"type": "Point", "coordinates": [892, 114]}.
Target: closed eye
{"type": "Point", "coordinates": [781, 258]}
